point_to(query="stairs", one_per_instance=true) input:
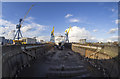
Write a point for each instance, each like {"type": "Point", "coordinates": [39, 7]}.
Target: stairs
{"type": "Point", "coordinates": [67, 71]}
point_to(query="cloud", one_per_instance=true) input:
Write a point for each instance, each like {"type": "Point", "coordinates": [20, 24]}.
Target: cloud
{"type": "Point", "coordinates": [45, 38]}
{"type": "Point", "coordinates": [58, 34]}
{"type": "Point", "coordinates": [110, 39]}
{"type": "Point", "coordinates": [113, 30]}
{"type": "Point", "coordinates": [6, 28]}
{"type": "Point", "coordinates": [117, 21]}
{"type": "Point", "coordinates": [74, 20]}
{"type": "Point", "coordinates": [29, 19]}
{"type": "Point", "coordinates": [6, 23]}
{"type": "Point", "coordinates": [101, 40]}
{"type": "Point", "coordinates": [112, 9]}
{"type": "Point", "coordinates": [30, 29]}
{"type": "Point", "coordinates": [33, 29]}
{"type": "Point", "coordinates": [114, 38]}
{"type": "Point", "coordinates": [92, 39]}
{"type": "Point", "coordinates": [95, 30]}
{"type": "Point", "coordinates": [76, 33]}
{"type": "Point", "coordinates": [26, 28]}
{"type": "Point", "coordinates": [68, 15]}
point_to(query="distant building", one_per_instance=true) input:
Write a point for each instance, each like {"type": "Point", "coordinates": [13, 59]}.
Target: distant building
{"type": "Point", "coordinates": [109, 43]}
{"type": "Point", "coordinates": [59, 39]}
{"type": "Point", "coordinates": [8, 41]}
{"type": "Point", "coordinates": [42, 41]}
{"type": "Point", "coordinates": [2, 40]}
{"type": "Point", "coordinates": [82, 41]}
{"type": "Point", "coordinates": [29, 40]}
{"type": "Point", "coordinates": [115, 43]}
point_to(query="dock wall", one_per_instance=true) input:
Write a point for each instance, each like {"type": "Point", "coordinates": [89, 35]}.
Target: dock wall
{"type": "Point", "coordinates": [106, 57]}
{"type": "Point", "coordinates": [16, 57]}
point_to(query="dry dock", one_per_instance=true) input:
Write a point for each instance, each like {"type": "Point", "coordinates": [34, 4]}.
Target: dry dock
{"type": "Point", "coordinates": [45, 60]}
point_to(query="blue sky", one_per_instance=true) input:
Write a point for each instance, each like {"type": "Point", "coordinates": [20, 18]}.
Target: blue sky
{"type": "Point", "coordinates": [98, 18]}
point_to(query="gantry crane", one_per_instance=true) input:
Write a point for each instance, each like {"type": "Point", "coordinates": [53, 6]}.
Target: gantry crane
{"type": "Point", "coordinates": [18, 34]}
{"type": "Point", "coordinates": [52, 39]}
{"type": "Point", "coordinates": [66, 34]}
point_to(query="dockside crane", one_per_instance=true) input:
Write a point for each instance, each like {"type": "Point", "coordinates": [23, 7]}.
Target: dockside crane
{"type": "Point", "coordinates": [66, 34]}
{"type": "Point", "coordinates": [52, 39]}
{"type": "Point", "coordinates": [66, 40]}
{"type": "Point", "coordinates": [18, 34]}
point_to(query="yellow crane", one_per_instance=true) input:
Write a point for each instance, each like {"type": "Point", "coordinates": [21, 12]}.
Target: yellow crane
{"type": "Point", "coordinates": [52, 31]}
{"type": "Point", "coordinates": [66, 34]}
{"type": "Point", "coordinates": [61, 43]}
{"type": "Point", "coordinates": [52, 39]}
{"type": "Point", "coordinates": [18, 34]}
{"type": "Point", "coordinates": [68, 30]}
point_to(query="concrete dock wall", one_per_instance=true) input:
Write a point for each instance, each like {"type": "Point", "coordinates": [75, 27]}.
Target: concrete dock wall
{"type": "Point", "coordinates": [68, 45]}
{"type": "Point", "coordinates": [80, 50]}
{"type": "Point", "coordinates": [104, 58]}
{"type": "Point", "coordinates": [0, 61]}
{"type": "Point", "coordinates": [16, 57]}
{"type": "Point", "coordinates": [110, 50]}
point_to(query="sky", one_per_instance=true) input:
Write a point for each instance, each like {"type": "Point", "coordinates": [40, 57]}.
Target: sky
{"type": "Point", "coordinates": [94, 21]}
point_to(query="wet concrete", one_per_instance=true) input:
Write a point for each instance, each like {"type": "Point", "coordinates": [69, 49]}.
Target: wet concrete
{"type": "Point", "coordinates": [60, 64]}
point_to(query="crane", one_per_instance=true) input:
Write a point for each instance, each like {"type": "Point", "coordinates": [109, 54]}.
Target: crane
{"type": "Point", "coordinates": [18, 34]}
{"type": "Point", "coordinates": [52, 39]}
{"type": "Point", "coordinates": [66, 34]}
{"type": "Point", "coordinates": [61, 43]}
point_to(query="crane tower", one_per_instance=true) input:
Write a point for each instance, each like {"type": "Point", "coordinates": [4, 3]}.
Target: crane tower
{"type": "Point", "coordinates": [66, 35]}
{"type": "Point", "coordinates": [18, 34]}
{"type": "Point", "coordinates": [52, 39]}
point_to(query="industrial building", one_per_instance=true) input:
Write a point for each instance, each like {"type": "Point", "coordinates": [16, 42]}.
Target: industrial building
{"type": "Point", "coordinates": [4, 41]}
{"type": "Point", "coordinates": [26, 40]}
{"type": "Point", "coordinates": [82, 41]}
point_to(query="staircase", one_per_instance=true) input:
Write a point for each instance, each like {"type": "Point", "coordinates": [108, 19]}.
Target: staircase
{"type": "Point", "coordinates": [67, 65]}
{"type": "Point", "coordinates": [67, 71]}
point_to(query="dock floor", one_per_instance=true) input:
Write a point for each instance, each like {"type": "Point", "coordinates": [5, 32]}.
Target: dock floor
{"type": "Point", "coordinates": [60, 64]}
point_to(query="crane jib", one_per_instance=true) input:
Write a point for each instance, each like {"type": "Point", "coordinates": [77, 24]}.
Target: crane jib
{"type": "Point", "coordinates": [26, 14]}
